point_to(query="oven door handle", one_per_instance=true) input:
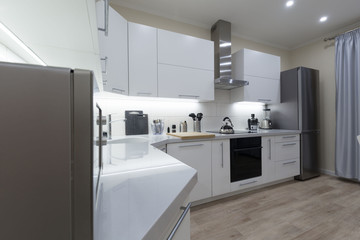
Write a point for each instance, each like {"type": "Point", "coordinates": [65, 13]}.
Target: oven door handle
{"type": "Point", "coordinates": [245, 149]}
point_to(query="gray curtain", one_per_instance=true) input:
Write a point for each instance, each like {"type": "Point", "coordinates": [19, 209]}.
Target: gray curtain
{"type": "Point", "coordinates": [347, 67]}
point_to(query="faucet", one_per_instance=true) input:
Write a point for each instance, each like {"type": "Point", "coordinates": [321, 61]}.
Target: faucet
{"type": "Point", "coordinates": [110, 125]}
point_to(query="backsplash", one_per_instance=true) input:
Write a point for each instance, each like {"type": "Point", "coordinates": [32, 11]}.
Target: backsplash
{"type": "Point", "coordinates": [173, 111]}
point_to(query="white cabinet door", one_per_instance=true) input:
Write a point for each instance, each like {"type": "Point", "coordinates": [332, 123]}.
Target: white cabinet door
{"type": "Point", "coordinates": [268, 159]}
{"type": "Point", "coordinates": [182, 82]}
{"type": "Point", "coordinates": [287, 168]}
{"type": "Point", "coordinates": [253, 63]}
{"type": "Point", "coordinates": [262, 70]}
{"type": "Point", "coordinates": [142, 60]}
{"type": "Point", "coordinates": [197, 155]}
{"type": "Point", "coordinates": [113, 51]}
{"type": "Point", "coordinates": [264, 90]}
{"type": "Point", "coordinates": [183, 50]}
{"type": "Point", "coordinates": [261, 64]}
{"type": "Point", "coordinates": [220, 167]}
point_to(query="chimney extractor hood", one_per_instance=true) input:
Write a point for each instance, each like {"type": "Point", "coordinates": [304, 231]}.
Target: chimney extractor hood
{"type": "Point", "coordinates": [221, 35]}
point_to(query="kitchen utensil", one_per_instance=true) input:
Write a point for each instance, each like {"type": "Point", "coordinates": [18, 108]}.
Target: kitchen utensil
{"type": "Point", "coordinates": [227, 127]}
{"type": "Point", "coordinates": [197, 126]}
{"type": "Point", "coordinates": [193, 116]}
{"type": "Point", "coordinates": [199, 116]}
{"type": "Point", "coordinates": [157, 126]}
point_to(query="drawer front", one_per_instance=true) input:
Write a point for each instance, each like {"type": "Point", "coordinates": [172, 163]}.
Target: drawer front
{"type": "Point", "coordinates": [287, 168]}
{"type": "Point", "coordinates": [287, 138]}
{"type": "Point", "coordinates": [248, 183]}
{"type": "Point", "coordinates": [287, 150]}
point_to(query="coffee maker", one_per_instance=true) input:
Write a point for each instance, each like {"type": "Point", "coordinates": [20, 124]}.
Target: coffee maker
{"type": "Point", "coordinates": [266, 122]}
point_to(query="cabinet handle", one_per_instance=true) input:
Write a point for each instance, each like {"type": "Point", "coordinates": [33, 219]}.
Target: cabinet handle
{"type": "Point", "coordinates": [188, 96]}
{"type": "Point", "coordinates": [289, 162]}
{"type": "Point", "coordinates": [288, 137]}
{"type": "Point", "coordinates": [193, 145]}
{"type": "Point", "coordinates": [105, 59]}
{"type": "Point", "coordinates": [178, 223]}
{"type": "Point", "coordinates": [289, 144]}
{"type": "Point", "coordinates": [242, 184]}
{"type": "Point", "coordinates": [222, 155]}
{"type": "Point", "coordinates": [264, 100]}
{"type": "Point", "coordinates": [106, 18]}
{"type": "Point", "coordinates": [269, 149]}
{"type": "Point", "coordinates": [144, 93]}
{"type": "Point", "coordinates": [118, 90]}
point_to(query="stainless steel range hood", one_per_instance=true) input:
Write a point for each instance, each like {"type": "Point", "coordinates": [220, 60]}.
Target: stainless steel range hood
{"type": "Point", "coordinates": [221, 35]}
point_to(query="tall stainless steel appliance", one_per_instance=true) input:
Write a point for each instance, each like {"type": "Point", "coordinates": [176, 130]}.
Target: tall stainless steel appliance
{"type": "Point", "coordinates": [299, 110]}
{"type": "Point", "coordinates": [50, 163]}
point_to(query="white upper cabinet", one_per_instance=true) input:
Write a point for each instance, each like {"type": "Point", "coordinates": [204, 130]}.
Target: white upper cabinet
{"type": "Point", "coordinates": [253, 63]}
{"type": "Point", "coordinates": [62, 33]}
{"type": "Point", "coordinates": [183, 50]}
{"type": "Point", "coordinates": [260, 89]}
{"type": "Point", "coordinates": [182, 82]}
{"type": "Point", "coordinates": [185, 66]}
{"type": "Point", "coordinates": [143, 76]}
{"type": "Point", "coordinates": [262, 70]}
{"type": "Point", "coordinates": [113, 50]}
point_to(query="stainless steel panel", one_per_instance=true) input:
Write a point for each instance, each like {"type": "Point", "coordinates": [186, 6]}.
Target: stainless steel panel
{"type": "Point", "coordinates": [35, 172]}
{"type": "Point", "coordinates": [82, 155]}
{"type": "Point", "coordinates": [308, 98]}
{"type": "Point", "coordinates": [286, 114]}
{"type": "Point", "coordinates": [309, 155]}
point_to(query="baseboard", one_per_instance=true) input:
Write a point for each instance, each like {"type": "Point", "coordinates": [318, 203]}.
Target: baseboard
{"type": "Point", "coordinates": [328, 172]}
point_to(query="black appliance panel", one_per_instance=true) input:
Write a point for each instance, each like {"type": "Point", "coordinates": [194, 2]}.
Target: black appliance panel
{"type": "Point", "coordinates": [245, 158]}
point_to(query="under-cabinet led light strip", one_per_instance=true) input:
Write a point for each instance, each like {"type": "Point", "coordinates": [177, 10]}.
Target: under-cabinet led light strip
{"type": "Point", "coordinates": [21, 44]}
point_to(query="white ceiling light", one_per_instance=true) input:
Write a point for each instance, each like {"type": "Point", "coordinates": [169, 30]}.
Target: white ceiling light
{"type": "Point", "coordinates": [323, 19]}
{"type": "Point", "coordinates": [289, 3]}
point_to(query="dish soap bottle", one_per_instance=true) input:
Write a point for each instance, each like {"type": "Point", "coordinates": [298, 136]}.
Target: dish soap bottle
{"type": "Point", "coordinates": [253, 123]}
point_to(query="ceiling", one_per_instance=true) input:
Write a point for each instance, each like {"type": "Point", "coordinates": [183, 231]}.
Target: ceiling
{"type": "Point", "coordinates": [265, 21]}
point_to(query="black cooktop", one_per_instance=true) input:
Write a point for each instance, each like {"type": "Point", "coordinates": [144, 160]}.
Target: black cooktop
{"type": "Point", "coordinates": [235, 131]}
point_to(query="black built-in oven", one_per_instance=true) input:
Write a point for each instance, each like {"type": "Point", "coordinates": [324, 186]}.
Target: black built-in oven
{"type": "Point", "coordinates": [245, 158]}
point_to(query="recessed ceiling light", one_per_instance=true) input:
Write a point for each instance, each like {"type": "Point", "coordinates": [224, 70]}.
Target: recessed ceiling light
{"type": "Point", "coordinates": [323, 19]}
{"type": "Point", "coordinates": [289, 3]}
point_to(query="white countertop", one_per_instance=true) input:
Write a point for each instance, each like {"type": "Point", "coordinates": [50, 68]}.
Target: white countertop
{"type": "Point", "coordinates": [139, 187]}
{"type": "Point", "coordinates": [142, 186]}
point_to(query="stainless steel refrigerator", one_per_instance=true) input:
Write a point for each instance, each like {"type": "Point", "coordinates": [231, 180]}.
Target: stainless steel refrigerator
{"type": "Point", "coordinates": [49, 161]}
{"type": "Point", "coordinates": [299, 110]}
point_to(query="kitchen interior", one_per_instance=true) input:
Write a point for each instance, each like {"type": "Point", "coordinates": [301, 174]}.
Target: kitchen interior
{"type": "Point", "coordinates": [179, 120]}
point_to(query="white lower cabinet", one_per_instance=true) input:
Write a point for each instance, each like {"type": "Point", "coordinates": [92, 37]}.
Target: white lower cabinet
{"type": "Point", "coordinates": [280, 157]}
{"type": "Point", "coordinates": [220, 167]}
{"type": "Point", "coordinates": [197, 155]}
{"type": "Point", "coordinates": [268, 159]}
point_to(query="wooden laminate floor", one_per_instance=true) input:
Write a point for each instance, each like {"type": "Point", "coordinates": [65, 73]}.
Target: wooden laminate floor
{"type": "Point", "coordinates": [321, 208]}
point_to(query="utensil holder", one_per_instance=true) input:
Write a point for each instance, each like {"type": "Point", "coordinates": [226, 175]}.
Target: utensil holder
{"type": "Point", "coordinates": [197, 126]}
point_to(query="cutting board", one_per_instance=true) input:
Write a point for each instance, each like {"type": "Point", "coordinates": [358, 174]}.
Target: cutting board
{"type": "Point", "coordinates": [191, 135]}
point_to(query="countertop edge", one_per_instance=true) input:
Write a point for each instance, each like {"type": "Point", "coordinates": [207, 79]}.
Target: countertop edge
{"type": "Point", "coordinates": [157, 231]}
